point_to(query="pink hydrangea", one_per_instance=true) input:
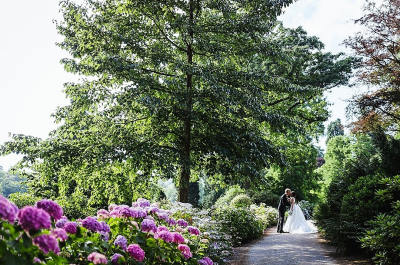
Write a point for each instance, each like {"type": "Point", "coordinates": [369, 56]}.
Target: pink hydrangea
{"type": "Point", "coordinates": [47, 243]}
{"type": "Point", "coordinates": [8, 210]}
{"type": "Point", "coordinates": [97, 258]}
{"type": "Point", "coordinates": [136, 252]}
{"type": "Point", "coordinates": [31, 218]}
{"type": "Point", "coordinates": [205, 261]}
{"type": "Point", "coordinates": [177, 238]}
{"type": "Point", "coordinates": [185, 250]}
{"type": "Point", "coordinates": [193, 230]}
{"type": "Point", "coordinates": [111, 207]}
{"type": "Point", "coordinates": [102, 214]}
{"type": "Point", "coordinates": [165, 235]}
{"type": "Point", "coordinates": [60, 234]}
{"type": "Point", "coordinates": [51, 208]}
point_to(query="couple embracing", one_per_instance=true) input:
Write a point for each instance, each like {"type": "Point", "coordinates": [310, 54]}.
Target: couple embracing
{"type": "Point", "coordinates": [296, 222]}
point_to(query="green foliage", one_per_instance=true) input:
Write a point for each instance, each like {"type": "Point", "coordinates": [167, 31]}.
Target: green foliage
{"type": "Point", "coordinates": [335, 128]}
{"type": "Point", "coordinates": [76, 206]}
{"type": "Point", "coordinates": [351, 200]}
{"type": "Point", "coordinates": [228, 196]}
{"type": "Point", "coordinates": [266, 214]}
{"type": "Point", "coordinates": [263, 196]}
{"type": "Point", "coordinates": [23, 199]}
{"type": "Point", "coordinates": [383, 235]}
{"type": "Point", "coordinates": [241, 224]}
{"type": "Point", "coordinates": [241, 200]}
{"type": "Point", "coordinates": [174, 87]}
{"type": "Point", "coordinates": [10, 183]}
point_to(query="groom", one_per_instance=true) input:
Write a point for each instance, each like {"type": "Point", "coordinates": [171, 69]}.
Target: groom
{"type": "Point", "coordinates": [283, 202]}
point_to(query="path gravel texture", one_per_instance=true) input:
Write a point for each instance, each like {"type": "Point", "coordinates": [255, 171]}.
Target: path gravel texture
{"type": "Point", "coordinates": [274, 248]}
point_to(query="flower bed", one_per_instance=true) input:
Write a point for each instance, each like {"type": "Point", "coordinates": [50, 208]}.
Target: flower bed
{"type": "Point", "coordinates": [139, 234]}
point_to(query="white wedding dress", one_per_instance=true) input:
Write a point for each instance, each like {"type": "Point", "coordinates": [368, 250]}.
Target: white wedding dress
{"type": "Point", "coordinates": [296, 222]}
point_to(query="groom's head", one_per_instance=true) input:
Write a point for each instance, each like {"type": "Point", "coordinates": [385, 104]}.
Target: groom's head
{"type": "Point", "coordinates": [288, 192]}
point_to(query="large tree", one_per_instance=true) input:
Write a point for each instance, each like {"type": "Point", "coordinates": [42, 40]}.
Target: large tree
{"type": "Point", "coordinates": [335, 128]}
{"type": "Point", "coordinates": [379, 48]}
{"type": "Point", "coordinates": [179, 86]}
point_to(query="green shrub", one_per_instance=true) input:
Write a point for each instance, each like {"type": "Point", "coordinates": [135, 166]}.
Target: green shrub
{"type": "Point", "coordinates": [21, 199]}
{"type": "Point", "coordinates": [76, 206]}
{"type": "Point", "coordinates": [264, 196]}
{"type": "Point", "coordinates": [241, 200]}
{"type": "Point", "coordinates": [383, 236]}
{"type": "Point", "coordinates": [266, 214]}
{"type": "Point", "coordinates": [229, 195]}
{"type": "Point", "coordinates": [240, 223]}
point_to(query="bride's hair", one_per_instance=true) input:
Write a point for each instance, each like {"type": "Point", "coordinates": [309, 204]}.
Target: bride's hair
{"type": "Point", "coordinates": [294, 196]}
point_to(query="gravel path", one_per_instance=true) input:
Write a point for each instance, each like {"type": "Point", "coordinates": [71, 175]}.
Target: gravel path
{"type": "Point", "coordinates": [274, 248]}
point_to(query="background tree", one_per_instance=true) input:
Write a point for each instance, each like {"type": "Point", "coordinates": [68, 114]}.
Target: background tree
{"type": "Point", "coordinates": [379, 48]}
{"type": "Point", "coordinates": [176, 87]}
{"type": "Point", "coordinates": [335, 128]}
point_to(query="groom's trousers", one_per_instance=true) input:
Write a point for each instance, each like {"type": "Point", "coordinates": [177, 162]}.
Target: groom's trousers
{"type": "Point", "coordinates": [281, 220]}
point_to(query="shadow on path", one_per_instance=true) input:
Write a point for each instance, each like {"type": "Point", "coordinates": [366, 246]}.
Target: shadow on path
{"type": "Point", "coordinates": [274, 248]}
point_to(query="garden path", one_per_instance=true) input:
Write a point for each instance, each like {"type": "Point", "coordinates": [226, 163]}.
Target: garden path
{"type": "Point", "coordinates": [274, 248]}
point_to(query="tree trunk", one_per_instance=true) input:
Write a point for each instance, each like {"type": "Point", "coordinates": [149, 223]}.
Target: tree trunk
{"type": "Point", "coordinates": [187, 122]}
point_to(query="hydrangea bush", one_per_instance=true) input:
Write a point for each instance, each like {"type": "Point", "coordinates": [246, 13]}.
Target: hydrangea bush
{"type": "Point", "coordinates": [139, 234]}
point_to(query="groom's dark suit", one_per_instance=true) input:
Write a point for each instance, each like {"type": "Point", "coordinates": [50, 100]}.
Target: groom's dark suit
{"type": "Point", "coordinates": [283, 202]}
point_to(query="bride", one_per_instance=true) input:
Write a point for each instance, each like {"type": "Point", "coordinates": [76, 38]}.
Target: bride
{"type": "Point", "coordinates": [296, 223]}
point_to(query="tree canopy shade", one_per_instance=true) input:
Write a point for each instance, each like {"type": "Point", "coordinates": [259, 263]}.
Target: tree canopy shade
{"type": "Point", "coordinates": [174, 87]}
{"type": "Point", "coordinates": [379, 48]}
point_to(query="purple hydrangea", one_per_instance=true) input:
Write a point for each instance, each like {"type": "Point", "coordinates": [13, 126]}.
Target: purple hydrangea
{"type": "Point", "coordinates": [135, 251]}
{"type": "Point", "coordinates": [33, 218]}
{"type": "Point", "coordinates": [171, 221]}
{"type": "Point", "coordinates": [97, 258]}
{"type": "Point", "coordinates": [162, 228]}
{"type": "Point", "coordinates": [163, 216]}
{"type": "Point", "coordinates": [51, 208]}
{"type": "Point", "coordinates": [60, 223]}
{"type": "Point", "coordinates": [153, 210]}
{"type": "Point", "coordinates": [182, 223]}
{"type": "Point", "coordinates": [116, 258]}
{"type": "Point", "coordinates": [8, 210]}
{"type": "Point", "coordinates": [125, 211]}
{"type": "Point", "coordinates": [70, 227]}
{"type": "Point", "coordinates": [47, 243]}
{"type": "Point", "coordinates": [193, 230]}
{"type": "Point", "coordinates": [91, 224]}
{"type": "Point", "coordinates": [102, 214]}
{"type": "Point", "coordinates": [205, 261]}
{"type": "Point", "coordinates": [185, 250]}
{"type": "Point", "coordinates": [104, 236]}
{"type": "Point", "coordinates": [60, 234]}
{"type": "Point", "coordinates": [177, 238]}
{"type": "Point", "coordinates": [143, 202]}
{"type": "Point", "coordinates": [148, 225]}
{"type": "Point", "coordinates": [103, 227]}
{"type": "Point", "coordinates": [121, 241]}
{"type": "Point", "coordinates": [165, 235]}
{"type": "Point", "coordinates": [37, 260]}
